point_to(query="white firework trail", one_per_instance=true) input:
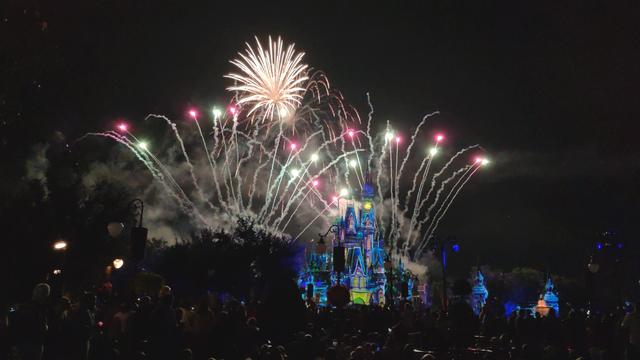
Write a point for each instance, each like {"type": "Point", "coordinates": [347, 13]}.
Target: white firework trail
{"type": "Point", "coordinates": [448, 204]}
{"type": "Point", "coordinates": [282, 145]}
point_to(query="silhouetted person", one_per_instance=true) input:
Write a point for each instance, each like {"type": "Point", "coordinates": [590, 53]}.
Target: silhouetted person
{"type": "Point", "coordinates": [631, 323]}
{"type": "Point", "coordinates": [462, 322]}
{"type": "Point", "coordinates": [139, 325]}
{"type": "Point", "coordinates": [163, 328]}
{"type": "Point", "coordinates": [59, 320]}
{"type": "Point", "coordinates": [29, 327]}
{"type": "Point", "coordinates": [82, 327]}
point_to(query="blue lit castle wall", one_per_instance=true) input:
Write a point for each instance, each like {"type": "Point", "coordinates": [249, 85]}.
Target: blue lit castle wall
{"type": "Point", "coordinates": [355, 230]}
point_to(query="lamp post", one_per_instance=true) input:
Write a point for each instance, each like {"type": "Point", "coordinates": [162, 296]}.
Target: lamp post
{"type": "Point", "coordinates": [605, 273]}
{"type": "Point", "coordinates": [336, 249]}
{"type": "Point", "coordinates": [139, 205]}
{"type": "Point", "coordinates": [388, 267]}
{"type": "Point", "coordinates": [138, 234]}
{"type": "Point", "coordinates": [337, 295]}
{"type": "Point", "coordinates": [442, 246]}
{"type": "Point", "coordinates": [59, 246]}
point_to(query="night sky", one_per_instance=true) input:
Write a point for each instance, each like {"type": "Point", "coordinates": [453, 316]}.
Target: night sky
{"type": "Point", "coordinates": [550, 91]}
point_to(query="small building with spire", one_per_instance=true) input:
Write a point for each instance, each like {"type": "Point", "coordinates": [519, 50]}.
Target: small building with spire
{"type": "Point", "coordinates": [548, 300]}
{"type": "Point", "coordinates": [479, 292]}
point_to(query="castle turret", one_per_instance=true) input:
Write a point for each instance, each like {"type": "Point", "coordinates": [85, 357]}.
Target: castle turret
{"type": "Point", "coordinates": [364, 253]}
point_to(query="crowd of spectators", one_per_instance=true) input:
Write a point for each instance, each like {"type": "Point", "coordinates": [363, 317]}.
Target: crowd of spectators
{"type": "Point", "coordinates": [162, 327]}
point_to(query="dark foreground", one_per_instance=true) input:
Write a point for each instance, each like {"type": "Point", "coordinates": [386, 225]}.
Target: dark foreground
{"type": "Point", "coordinates": [166, 328]}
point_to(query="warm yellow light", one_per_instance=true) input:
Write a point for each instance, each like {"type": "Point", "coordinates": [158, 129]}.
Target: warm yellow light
{"type": "Point", "coordinates": [118, 263]}
{"type": "Point", "coordinates": [367, 205]}
{"type": "Point", "coordinates": [60, 245]}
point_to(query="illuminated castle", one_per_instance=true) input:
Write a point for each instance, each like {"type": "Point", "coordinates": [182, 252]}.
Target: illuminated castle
{"type": "Point", "coordinates": [355, 233]}
{"type": "Point", "coordinates": [479, 293]}
{"type": "Point", "coordinates": [548, 300]}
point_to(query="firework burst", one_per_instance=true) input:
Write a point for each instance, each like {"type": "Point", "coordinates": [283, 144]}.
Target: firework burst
{"type": "Point", "coordinates": [270, 81]}
{"type": "Point", "coordinates": [237, 167]}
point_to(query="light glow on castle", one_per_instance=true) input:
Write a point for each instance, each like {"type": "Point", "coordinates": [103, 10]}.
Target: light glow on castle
{"type": "Point", "coordinates": [356, 235]}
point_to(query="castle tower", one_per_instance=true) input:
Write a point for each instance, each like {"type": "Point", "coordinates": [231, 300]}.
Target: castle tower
{"type": "Point", "coordinates": [356, 231]}
{"type": "Point", "coordinates": [479, 293]}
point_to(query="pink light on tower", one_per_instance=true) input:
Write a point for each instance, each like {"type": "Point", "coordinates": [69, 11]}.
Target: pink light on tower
{"type": "Point", "coordinates": [193, 113]}
{"type": "Point", "coordinates": [335, 198]}
{"type": "Point", "coordinates": [439, 137]}
{"type": "Point", "coordinates": [122, 127]}
{"type": "Point", "coordinates": [315, 183]}
{"type": "Point", "coordinates": [232, 109]}
{"type": "Point", "coordinates": [293, 146]}
{"type": "Point", "coordinates": [398, 139]}
{"type": "Point", "coordinates": [478, 160]}
{"type": "Point", "coordinates": [351, 133]}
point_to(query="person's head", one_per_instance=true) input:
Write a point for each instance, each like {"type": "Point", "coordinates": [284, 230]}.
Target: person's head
{"type": "Point", "coordinates": [143, 302]}
{"type": "Point", "coordinates": [203, 304]}
{"type": "Point", "coordinates": [166, 300]}
{"type": "Point", "coordinates": [88, 300]}
{"type": "Point", "coordinates": [164, 291]}
{"type": "Point", "coordinates": [64, 304]}
{"type": "Point", "coordinates": [41, 293]}
{"type": "Point", "coordinates": [186, 354]}
{"type": "Point", "coordinates": [330, 353]}
{"type": "Point", "coordinates": [123, 307]}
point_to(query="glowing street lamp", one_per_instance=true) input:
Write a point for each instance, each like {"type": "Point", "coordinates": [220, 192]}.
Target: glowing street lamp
{"type": "Point", "coordinates": [143, 145]}
{"type": "Point", "coordinates": [60, 245]}
{"type": "Point", "coordinates": [433, 151]}
{"type": "Point", "coordinates": [118, 263]}
{"type": "Point", "coordinates": [115, 229]}
{"type": "Point", "coordinates": [344, 192]}
{"type": "Point", "coordinates": [315, 157]}
{"type": "Point", "coordinates": [353, 163]}
{"type": "Point", "coordinates": [484, 162]}
{"type": "Point", "coordinates": [295, 173]}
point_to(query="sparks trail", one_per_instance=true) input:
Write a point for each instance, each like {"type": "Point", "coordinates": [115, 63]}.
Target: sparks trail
{"type": "Point", "coordinates": [286, 134]}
